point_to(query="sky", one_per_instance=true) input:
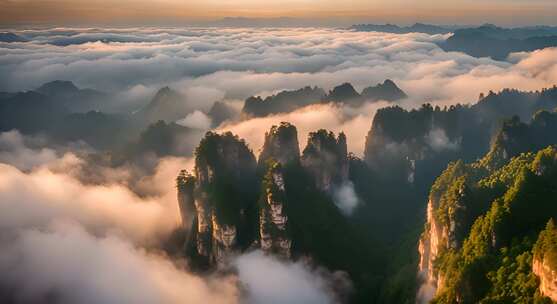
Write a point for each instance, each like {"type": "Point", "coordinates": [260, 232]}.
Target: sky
{"type": "Point", "coordinates": [305, 12]}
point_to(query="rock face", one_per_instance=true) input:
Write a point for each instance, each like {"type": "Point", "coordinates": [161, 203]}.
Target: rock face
{"type": "Point", "coordinates": [411, 145]}
{"type": "Point", "coordinates": [548, 278]}
{"type": "Point", "coordinates": [447, 222]}
{"type": "Point", "coordinates": [220, 194]}
{"type": "Point", "coordinates": [387, 150]}
{"type": "Point", "coordinates": [326, 159]}
{"type": "Point", "coordinates": [544, 263]}
{"type": "Point", "coordinates": [185, 183]}
{"type": "Point", "coordinates": [218, 200]}
{"type": "Point", "coordinates": [434, 239]}
{"type": "Point", "coordinates": [476, 214]}
{"type": "Point", "coordinates": [281, 144]}
{"type": "Point", "coordinates": [273, 221]}
{"type": "Point", "coordinates": [230, 204]}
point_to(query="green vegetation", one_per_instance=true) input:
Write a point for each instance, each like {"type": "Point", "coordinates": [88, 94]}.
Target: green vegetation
{"type": "Point", "coordinates": [493, 263]}
{"type": "Point", "coordinates": [319, 229]}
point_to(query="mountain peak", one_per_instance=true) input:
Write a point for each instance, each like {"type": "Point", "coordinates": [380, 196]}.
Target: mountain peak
{"type": "Point", "coordinates": [167, 105]}
{"type": "Point", "coordinates": [58, 87]}
{"type": "Point", "coordinates": [281, 144]}
{"type": "Point", "coordinates": [343, 92]}
{"type": "Point", "coordinates": [388, 90]}
{"type": "Point", "coordinates": [326, 158]}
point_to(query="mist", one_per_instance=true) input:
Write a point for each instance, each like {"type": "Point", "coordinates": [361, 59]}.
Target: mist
{"type": "Point", "coordinates": [69, 239]}
{"type": "Point", "coordinates": [94, 225]}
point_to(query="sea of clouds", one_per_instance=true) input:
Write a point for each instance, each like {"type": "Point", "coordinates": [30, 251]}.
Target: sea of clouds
{"type": "Point", "coordinates": [73, 238]}
{"type": "Point", "coordinates": [236, 63]}
{"type": "Point", "coordinates": [68, 239]}
{"type": "Point", "coordinates": [210, 64]}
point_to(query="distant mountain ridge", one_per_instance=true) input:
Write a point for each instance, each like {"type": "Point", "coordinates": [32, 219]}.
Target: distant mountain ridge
{"type": "Point", "coordinates": [286, 101]}
{"type": "Point", "coordinates": [487, 40]}
{"type": "Point", "coordinates": [494, 31]}
{"type": "Point", "coordinates": [395, 29]}
{"type": "Point", "coordinates": [496, 42]}
{"type": "Point", "coordinates": [66, 94]}
{"type": "Point", "coordinates": [66, 113]}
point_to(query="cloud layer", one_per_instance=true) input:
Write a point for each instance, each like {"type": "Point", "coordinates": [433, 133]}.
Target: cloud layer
{"type": "Point", "coordinates": [271, 281]}
{"type": "Point", "coordinates": [209, 64]}
{"type": "Point", "coordinates": [235, 63]}
{"type": "Point", "coordinates": [69, 265]}
{"type": "Point", "coordinates": [69, 239]}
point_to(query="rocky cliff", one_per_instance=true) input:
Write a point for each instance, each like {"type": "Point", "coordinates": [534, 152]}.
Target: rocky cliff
{"type": "Point", "coordinates": [218, 201]}
{"type": "Point", "coordinates": [221, 196]}
{"type": "Point", "coordinates": [230, 204]}
{"type": "Point", "coordinates": [431, 243]}
{"type": "Point", "coordinates": [446, 216]}
{"type": "Point", "coordinates": [479, 223]}
{"type": "Point", "coordinates": [326, 159]}
{"type": "Point", "coordinates": [281, 144]}
{"type": "Point", "coordinates": [273, 220]}
{"type": "Point", "coordinates": [548, 278]}
{"type": "Point", "coordinates": [185, 183]}
{"type": "Point", "coordinates": [544, 263]}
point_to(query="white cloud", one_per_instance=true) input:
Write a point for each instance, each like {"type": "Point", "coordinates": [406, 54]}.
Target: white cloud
{"type": "Point", "coordinates": [437, 139]}
{"type": "Point", "coordinates": [14, 151]}
{"type": "Point", "coordinates": [345, 198]}
{"type": "Point", "coordinates": [208, 64]}
{"type": "Point", "coordinates": [95, 242]}
{"type": "Point", "coordinates": [196, 120]}
{"type": "Point", "coordinates": [35, 199]}
{"type": "Point", "coordinates": [73, 266]}
{"type": "Point", "coordinates": [270, 281]}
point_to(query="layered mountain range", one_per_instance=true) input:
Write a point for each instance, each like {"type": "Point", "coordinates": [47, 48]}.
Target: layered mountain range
{"type": "Point", "coordinates": [416, 145]}
{"type": "Point", "coordinates": [287, 101]}
{"type": "Point", "coordinates": [487, 40]}
{"type": "Point", "coordinates": [285, 201]}
{"type": "Point", "coordinates": [290, 201]}
{"type": "Point", "coordinates": [496, 42]}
